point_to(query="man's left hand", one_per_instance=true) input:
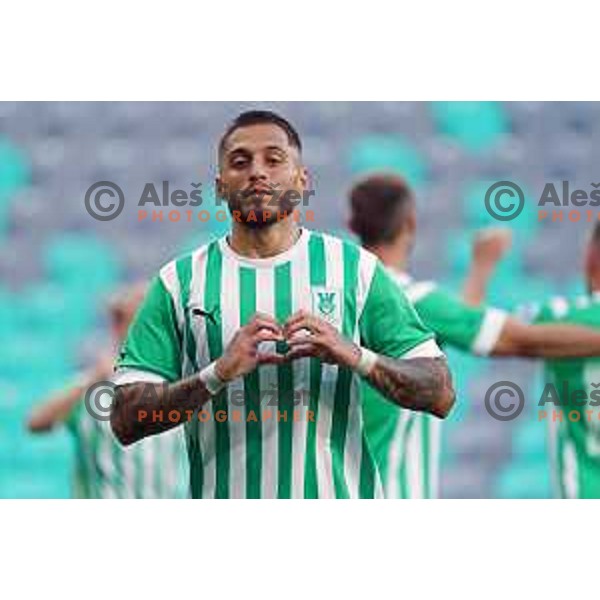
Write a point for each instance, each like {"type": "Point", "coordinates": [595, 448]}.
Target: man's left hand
{"type": "Point", "coordinates": [308, 335]}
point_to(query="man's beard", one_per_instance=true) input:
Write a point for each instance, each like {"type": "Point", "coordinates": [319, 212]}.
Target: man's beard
{"type": "Point", "coordinates": [263, 214]}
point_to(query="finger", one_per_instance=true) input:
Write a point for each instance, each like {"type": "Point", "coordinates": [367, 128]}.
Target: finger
{"type": "Point", "coordinates": [306, 347]}
{"type": "Point", "coordinates": [266, 335]}
{"type": "Point", "coordinates": [271, 358]}
{"type": "Point", "coordinates": [507, 238]}
{"type": "Point", "coordinates": [297, 316]}
{"type": "Point", "coordinates": [258, 324]}
{"type": "Point", "coordinates": [302, 335]}
{"type": "Point", "coordinates": [303, 340]}
{"type": "Point", "coordinates": [263, 317]}
{"type": "Point", "coordinates": [308, 322]}
{"type": "Point", "coordinates": [502, 234]}
{"type": "Point", "coordinates": [301, 351]}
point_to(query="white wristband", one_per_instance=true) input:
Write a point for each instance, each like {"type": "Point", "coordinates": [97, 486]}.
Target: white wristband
{"type": "Point", "coordinates": [208, 376]}
{"type": "Point", "coordinates": [367, 362]}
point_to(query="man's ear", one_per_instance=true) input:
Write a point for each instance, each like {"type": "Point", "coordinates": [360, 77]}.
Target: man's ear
{"type": "Point", "coordinates": [220, 188]}
{"type": "Point", "coordinates": [411, 222]}
{"type": "Point", "coordinates": [303, 177]}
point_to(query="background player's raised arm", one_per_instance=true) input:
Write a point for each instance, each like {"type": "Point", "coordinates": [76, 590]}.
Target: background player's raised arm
{"type": "Point", "coordinates": [517, 338]}
{"type": "Point", "coordinates": [489, 246]}
{"type": "Point", "coordinates": [546, 341]}
{"type": "Point", "coordinates": [57, 409]}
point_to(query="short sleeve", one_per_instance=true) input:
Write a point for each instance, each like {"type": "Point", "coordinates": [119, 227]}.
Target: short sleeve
{"type": "Point", "coordinates": [153, 342]}
{"type": "Point", "coordinates": [473, 329]}
{"type": "Point", "coordinates": [389, 324]}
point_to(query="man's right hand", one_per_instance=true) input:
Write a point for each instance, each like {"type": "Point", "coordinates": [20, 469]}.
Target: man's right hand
{"type": "Point", "coordinates": [242, 355]}
{"type": "Point", "coordinates": [490, 245]}
{"type": "Point", "coordinates": [103, 369]}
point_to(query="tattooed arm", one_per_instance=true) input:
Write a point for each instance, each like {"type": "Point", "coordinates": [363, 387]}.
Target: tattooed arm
{"type": "Point", "coordinates": [59, 407]}
{"type": "Point", "coordinates": [421, 383]}
{"type": "Point", "coordinates": [142, 409]}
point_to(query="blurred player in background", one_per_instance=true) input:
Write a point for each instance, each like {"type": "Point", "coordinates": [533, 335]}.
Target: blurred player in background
{"type": "Point", "coordinates": [103, 468]}
{"type": "Point", "coordinates": [406, 444]}
{"type": "Point", "coordinates": [571, 407]}
{"type": "Point", "coordinates": [274, 309]}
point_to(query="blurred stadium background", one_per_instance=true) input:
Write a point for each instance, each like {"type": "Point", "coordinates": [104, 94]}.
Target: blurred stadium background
{"type": "Point", "coordinates": [57, 264]}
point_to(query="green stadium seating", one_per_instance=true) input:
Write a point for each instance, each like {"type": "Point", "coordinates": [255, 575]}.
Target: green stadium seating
{"type": "Point", "coordinates": [14, 168]}
{"type": "Point", "coordinates": [530, 480]}
{"type": "Point", "coordinates": [26, 485]}
{"type": "Point", "coordinates": [477, 216]}
{"type": "Point", "coordinates": [82, 262]}
{"type": "Point", "coordinates": [458, 254]}
{"type": "Point", "coordinates": [530, 442]}
{"type": "Point", "coordinates": [511, 294]}
{"type": "Point", "coordinates": [34, 353]}
{"type": "Point", "coordinates": [474, 125]}
{"type": "Point", "coordinates": [59, 311]}
{"type": "Point", "coordinates": [38, 465]}
{"type": "Point", "coordinates": [4, 215]}
{"type": "Point", "coordinates": [388, 153]}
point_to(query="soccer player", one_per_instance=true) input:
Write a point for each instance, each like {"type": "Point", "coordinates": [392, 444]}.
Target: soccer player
{"type": "Point", "coordinates": [406, 444]}
{"type": "Point", "coordinates": [273, 311]}
{"type": "Point", "coordinates": [571, 393]}
{"type": "Point", "coordinates": [154, 468]}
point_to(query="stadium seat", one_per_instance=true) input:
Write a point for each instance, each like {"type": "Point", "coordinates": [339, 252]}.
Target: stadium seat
{"type": "Point", "coordinates": [388, 153]}
{"type": "Point", "coordinates": [82, 262]}
{"type": "Point", "coordinates": [476, 125]}
{"type": "Point", "coordinates": [29, 485]}
{"type": "Point", "coordinates": [476, 215]}
{"type": "Point", "coordinates": [467, 481]}
{"type": "Point", "coordinates": [460, 250]}
{"type": "Point", "coordinates": [524, 481]}
{"type": "Point", "coordinates": [14, 169]}
{"type": "Point", "coordinates": [5, 210]}
{"type": "Point", "coordinates": [51, 308]}
{"type": "Point", "coordinates": [33, 351]}
{"type": "Point", "coordinates": [529, 442]}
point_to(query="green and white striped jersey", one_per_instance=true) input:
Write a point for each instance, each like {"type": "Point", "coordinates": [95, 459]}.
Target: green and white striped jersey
{"type": "Point", "coordinates": [282, 431]}
{"type": "Point", "coordinates": [574, 422]}
{"type": "Point", "coordinates": [152, 468]}
{"type": "Point", "coordinates": [406, 444]}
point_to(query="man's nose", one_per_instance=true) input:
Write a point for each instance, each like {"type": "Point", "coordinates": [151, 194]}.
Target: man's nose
{"type": "Point", "coordinates": [258, 170]}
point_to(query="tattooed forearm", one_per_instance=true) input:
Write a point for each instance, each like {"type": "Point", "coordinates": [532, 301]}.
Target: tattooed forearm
{"type": "Point", "coordinates": [142, 409]}
{"type": "Point", "coordinates": [422, 384]}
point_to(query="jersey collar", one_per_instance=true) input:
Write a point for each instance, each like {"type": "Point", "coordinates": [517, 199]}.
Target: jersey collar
{"type": "Point", "coordinates": [272, 261]}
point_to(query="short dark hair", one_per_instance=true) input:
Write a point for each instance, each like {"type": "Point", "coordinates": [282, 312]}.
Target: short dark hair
{"type": "Point", "coordinates": [259, 117]}
{"type": "Point", "coordinates": [379, 206]}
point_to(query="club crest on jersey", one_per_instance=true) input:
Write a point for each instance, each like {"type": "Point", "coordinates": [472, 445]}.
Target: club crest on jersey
{"type": "Point", "coordinates": [327, 305]}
